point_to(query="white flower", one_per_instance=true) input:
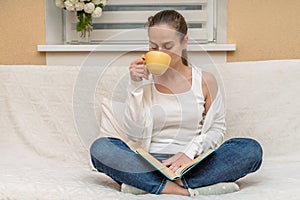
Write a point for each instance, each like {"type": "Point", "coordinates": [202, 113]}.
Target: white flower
{"type": "Point", "coordinates": [104, 2]}
{"type": "Point", "coordinates": [97, 12]}
{"type": "Point", "coordinates": [60, 3]}
{"type": "Point", "coordinates": [79, 6]}
{"type": "Point", "coordinates": [96, 1]}
{"type": "Point", "coordinates": [89, 8]}
{"type": "Point", "coordinates": [74, 1]}
{"type": "Point", "coordinates": [69, 6]}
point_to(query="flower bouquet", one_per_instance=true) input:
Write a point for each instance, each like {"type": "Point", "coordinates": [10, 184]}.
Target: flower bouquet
{"type": "Point", "coordinates": [85, 10]}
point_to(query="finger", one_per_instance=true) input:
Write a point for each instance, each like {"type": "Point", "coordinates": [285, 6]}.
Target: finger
{"type": "Point", "coordinates": [137, 74]}
{"type": "Point", "coordinates": [167, 162]}
{"type": "Point", "coordinates": [135, 66]}
{"type": "Point", "coordinates": [139, 68]}
{"type": "Point", "coordinates": [136, 78]}
{"type": "Point", "coordinates": [138, 62]}
{"type": "Point", "coordinates": [174, 167]}
{"type": "Point", "coordinates": [140, 71]}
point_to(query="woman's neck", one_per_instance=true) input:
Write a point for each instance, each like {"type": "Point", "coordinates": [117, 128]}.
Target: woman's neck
{"type": "Point", "coordinates": [174, 72]}
{"type": "Point", "coordinates": [174, 80]}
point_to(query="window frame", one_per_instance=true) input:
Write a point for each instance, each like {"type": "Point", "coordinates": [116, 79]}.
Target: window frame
{"type": "Point", "coordinates": [210, 29]}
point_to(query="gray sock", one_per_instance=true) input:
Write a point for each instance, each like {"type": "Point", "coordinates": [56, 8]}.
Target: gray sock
{"type": "Point", "coordinates": [219, 188]}
{"type": "Point", "coordinates": [130, 189]}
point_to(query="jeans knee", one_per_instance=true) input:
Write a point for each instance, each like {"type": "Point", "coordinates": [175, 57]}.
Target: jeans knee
{"type": "Point", "coordinates": [250, 149]}
{"type": "Point", "coordinates": [249, 145]}
{"type": "Point", "coordinates": [99, 146]}
{"type": "Point", "coordinates": [256, 148]}
{"type": "Point", "coordinates": [256, 153]}
{"type": "Point", "coordinates": [105, 147]}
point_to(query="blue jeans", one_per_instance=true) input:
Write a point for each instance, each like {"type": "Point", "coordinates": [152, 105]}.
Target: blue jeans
{"type": "Point", "coordinates": [234, 159]}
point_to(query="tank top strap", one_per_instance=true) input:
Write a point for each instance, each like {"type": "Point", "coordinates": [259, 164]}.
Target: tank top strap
{"type": "Point", "coordinates": [197, 81]}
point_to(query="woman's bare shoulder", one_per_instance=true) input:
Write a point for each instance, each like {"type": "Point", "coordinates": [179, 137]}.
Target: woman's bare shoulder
{"type": "Point", "coordinates": [209, 84]}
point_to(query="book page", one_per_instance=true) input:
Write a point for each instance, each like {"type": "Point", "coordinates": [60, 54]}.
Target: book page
{"type": "Point", "coordinates": [166, 170]}
{"type": "Point", "coordinates": [155, 163]}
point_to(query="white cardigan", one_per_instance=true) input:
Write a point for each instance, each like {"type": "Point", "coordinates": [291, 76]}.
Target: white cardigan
{"type": "Point", "coordinates": [138, 120]}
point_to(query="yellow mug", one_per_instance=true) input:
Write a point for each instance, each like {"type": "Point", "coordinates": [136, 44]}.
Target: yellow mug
{"type": "Point", "coordinates": [157, 62]}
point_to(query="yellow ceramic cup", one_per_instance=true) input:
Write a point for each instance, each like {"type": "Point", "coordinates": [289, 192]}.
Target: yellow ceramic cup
{"type": "Point", "coordinates": [157, 62]}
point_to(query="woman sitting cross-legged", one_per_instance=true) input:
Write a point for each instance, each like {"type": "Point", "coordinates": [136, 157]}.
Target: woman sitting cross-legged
{"type": "Point", "coordinates": [175, 117]}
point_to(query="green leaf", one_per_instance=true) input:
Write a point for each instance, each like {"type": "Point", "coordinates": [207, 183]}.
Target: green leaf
{"type": "Point", "coordinates": [100, 5]}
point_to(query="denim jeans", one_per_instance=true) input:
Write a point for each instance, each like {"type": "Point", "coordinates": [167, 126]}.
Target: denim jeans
{"type": "Point", "coordinates": [234, 159]}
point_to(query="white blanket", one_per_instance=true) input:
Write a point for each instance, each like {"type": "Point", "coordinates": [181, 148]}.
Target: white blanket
{"type": "Point", "coordinates": [45, 132]}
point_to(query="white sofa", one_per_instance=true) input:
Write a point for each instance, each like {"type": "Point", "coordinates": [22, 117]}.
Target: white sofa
{"type": "Point", "coordinates": [50, 115]}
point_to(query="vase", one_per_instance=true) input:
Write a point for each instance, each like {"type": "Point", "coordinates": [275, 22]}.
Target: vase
{"type": "Point", "coordinates": [84, 27]}
{"type": "Point", "coordinates": [84, 38]}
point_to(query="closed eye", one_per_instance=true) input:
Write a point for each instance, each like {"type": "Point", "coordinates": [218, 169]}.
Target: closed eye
{"type": "Point", "coordinates": [166, 45]}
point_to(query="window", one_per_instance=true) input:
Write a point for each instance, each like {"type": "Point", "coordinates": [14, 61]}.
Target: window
{"type": "Point", "coordinates": [123, 21]}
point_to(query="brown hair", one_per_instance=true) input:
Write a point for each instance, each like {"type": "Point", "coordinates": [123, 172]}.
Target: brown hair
{"type": "Point", "coordinates": [174, 19]}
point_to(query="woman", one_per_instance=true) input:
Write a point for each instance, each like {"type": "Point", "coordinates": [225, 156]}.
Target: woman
{"type": "Point", "coordinates": [175, 116]}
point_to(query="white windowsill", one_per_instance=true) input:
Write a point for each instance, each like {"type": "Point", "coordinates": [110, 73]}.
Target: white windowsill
{"type": "Point", "coordinates": [128, 47]}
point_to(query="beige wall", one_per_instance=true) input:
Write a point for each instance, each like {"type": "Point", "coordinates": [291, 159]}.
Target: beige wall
{"type": "Point", "coordinates": [264, 29]}
{"type": "Point", "coordinates": [22, 28]}
{"type": "Point", "coordinates": [261, 29]}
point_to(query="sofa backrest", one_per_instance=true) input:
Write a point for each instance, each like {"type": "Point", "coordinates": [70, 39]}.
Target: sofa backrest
{"type": "Point", "coordinates": [56, 104]}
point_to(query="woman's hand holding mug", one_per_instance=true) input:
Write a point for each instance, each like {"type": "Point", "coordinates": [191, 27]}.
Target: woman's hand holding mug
{"type": "Point", "coordinates": [138, 70]}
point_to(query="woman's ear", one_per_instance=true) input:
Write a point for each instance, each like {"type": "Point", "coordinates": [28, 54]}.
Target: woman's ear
{"type": "Point", "coordinates": [185, 41]}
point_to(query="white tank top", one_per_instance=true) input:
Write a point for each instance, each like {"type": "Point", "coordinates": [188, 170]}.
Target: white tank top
{"type": "Point", "coordinates": [177, 117]}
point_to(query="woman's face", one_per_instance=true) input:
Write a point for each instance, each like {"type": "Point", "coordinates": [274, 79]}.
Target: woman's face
{"type": "Point", "coordinates": [166, 39]}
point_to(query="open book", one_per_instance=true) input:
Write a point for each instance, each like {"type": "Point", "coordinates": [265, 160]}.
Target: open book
{"type": "Point", "coordinates": [165, 170]}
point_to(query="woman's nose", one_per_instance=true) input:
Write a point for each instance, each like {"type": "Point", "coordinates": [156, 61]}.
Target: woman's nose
{"type": "Point", "coordinates": [162, 50]}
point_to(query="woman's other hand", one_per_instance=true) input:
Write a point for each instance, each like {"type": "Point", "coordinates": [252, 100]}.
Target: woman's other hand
{"type": "Point", "coordinates": [176, 161]}
{"type": "Point", "coordinates": [138, 70]}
